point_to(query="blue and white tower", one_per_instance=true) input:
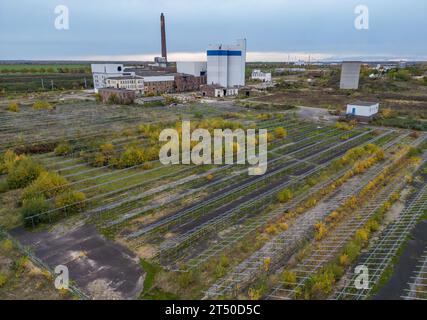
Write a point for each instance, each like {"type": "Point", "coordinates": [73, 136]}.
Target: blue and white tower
{"type": "Point", "coordinates": [227, 64]}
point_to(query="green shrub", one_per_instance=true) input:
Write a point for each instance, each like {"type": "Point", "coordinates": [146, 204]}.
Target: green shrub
{"type": "Point", "coordinates": [3, 279]}
{"type": "Point", "coordinates": [4, 186]}
{"type": "Point", "coordinates": [98, 97]}
{"type": "Point", "coordinates": [7, 161]}
{"type": "Point", "coordinates": [285, 195]}
{"type": "Point", "coordinates": [185, 279]}
{"type": "Point", "coordinates": [63, 149]}
{"type": "Point", "coordinates": [113, 99]}
{"type": "Point", "coordinates": [220, 271]}
{"type": "Point", "coordinates": [6, 245]}
{"type": "Point", "coordinates": [99, 160]}
{"type": "Point", "coordinates": [414, 152]}
{"type": "Point", "coordinates": [352, 250]}
{"type": "Point", "coordinates": [34, 206]}
{"type": "Point", "coordinates": [198, 115]}
{"type": "Point", "coordinates": [289, 277]}
{"type": "Point", "coordinates": [107, 149]}
{"type": "Point", "coordinates": [280, 132]}
{"type": "Point", "coordinates": [13, 107]}
{"type": "Point", "coordinates": [42, 105]}
{"type": "Point", "coordinates": [152, 154]}
{"type": "Point", "coordinates": [19, 266]}
{"type": "Point", "coordinates": [402, 75]}
{"type": "Point", "coordinates": [23, 172]}
{"type": "Point", "coordinates": [48, 184]}
{"type": "Point", "coordinates": [70, 201]}
{"type": "Point", "coordinates": [132, 156]}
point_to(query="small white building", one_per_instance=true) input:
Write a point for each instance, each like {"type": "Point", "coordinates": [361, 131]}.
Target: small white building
{"type": "Point", "coordinates": [363, 109]}
{"type": "Point", "coordinates": [259, 75]}
{"type": "Point", "coordinates": [195, 68]}
{"type": "Point", "coordinates": [134, 83]}
{"type": "Point", "coordinates": [101, 72]}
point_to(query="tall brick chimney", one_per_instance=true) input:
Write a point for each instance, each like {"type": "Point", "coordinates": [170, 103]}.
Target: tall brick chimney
{"type": "Point", "coordinates": [163, 31]}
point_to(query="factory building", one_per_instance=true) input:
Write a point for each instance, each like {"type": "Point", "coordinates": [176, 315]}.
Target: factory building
{"type": "Point", "coordinates": [363, 110]}
{"type": "Point", "coordinates": [101, 72]}
{"type": "Point", "coordinates": [117, 96]}
{"type": "Point", "coordinates": [134, 83]}
{"type": "Point", "coordinates": [262, 76]}
{"type": "Point", "coordinates": [350, 74]}
{"type": "Point", "coordinates": [217, 91]}
{"type": "Point", "coordinates": [155, 85]}
{"type": "Point", "coordinates": [226, 64]}
{"type": "Point", "coordinates": [188, 82]}
{"type": "Point", "coordinates": [195, 68]}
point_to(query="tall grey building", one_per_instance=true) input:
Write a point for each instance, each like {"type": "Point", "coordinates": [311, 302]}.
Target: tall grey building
{"type": "Point", "coordinates": [350, 75]}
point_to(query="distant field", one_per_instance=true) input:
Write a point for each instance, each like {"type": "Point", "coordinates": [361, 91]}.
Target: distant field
{"type": "Point", "coordinates": [30, 77]}
{"type": "Point", "coordinates": [19, 82]}
{"type": "Point", "coordinates": [44, 68]}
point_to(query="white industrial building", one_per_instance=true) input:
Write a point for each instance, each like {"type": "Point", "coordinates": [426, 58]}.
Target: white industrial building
{"type": "Point", "coordinates": [259, 75]}
{"type": "Point", "coordinates": [195, 68]}
{"type": "Point", "coordinates": [363, 109]}
{"type": "Point", "coordinates": [134, 83]}
{"type": "Point", "coordinates": [101, 72]}
{"type": "Point", "coordinates": [226, 64]}
{"type": "Point", "coordinates": [350, 75]}
{"type": "Point", "coordinates": [160, 62]}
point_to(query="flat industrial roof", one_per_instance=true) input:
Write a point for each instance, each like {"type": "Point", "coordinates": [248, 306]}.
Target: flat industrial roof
{"type": "Point", "coordinates": [115, 90]}
{"type": "Point", "coordinates": [363, 103]}
{"type": "Point", "coordinates": [125, 78]}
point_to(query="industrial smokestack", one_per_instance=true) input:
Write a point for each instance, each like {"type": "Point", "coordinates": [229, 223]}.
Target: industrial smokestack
{"type": "Point", "coordinates": [163, 31]}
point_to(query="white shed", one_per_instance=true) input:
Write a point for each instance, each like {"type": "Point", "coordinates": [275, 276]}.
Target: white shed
{"type": "Point", "coordinates": [363, 109]}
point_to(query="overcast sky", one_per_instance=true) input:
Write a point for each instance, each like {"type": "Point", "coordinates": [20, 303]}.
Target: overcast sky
{"type": "Point", "coordinates": [275, 29]}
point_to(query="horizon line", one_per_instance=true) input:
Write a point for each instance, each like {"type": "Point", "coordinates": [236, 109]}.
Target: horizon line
{"type": "Point", "coordinates": [252, 56]}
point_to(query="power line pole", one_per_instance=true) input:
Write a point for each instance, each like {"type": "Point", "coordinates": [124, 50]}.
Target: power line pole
{"type": "Point", "coordinates": [42, 83]}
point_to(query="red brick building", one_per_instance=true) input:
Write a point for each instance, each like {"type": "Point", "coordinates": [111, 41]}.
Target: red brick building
{"type": "Point", "coordinates": [188, 82]}
{"type": "Point", "coordinates": [118, 96]}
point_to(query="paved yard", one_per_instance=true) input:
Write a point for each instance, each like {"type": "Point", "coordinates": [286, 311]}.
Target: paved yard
{"type": "Point", "coordinates": [101, 268]}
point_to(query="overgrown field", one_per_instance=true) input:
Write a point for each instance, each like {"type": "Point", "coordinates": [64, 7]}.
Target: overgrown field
{"type": "Point", "coordinates": [211, 230]}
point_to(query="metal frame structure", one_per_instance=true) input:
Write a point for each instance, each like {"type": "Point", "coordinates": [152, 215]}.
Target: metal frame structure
{"type": "Point", "coordinates": [418, 287]}
{"type": "Point", "coordinates": [287, 243]}
{"type": "Point", "coordinates": [173, 248]}
{"type": "Point", "coordinates": [382, 252]}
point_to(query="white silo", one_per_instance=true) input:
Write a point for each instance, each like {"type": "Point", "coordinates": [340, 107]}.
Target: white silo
{"type": "Point", "coordinates": [227, 64]}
